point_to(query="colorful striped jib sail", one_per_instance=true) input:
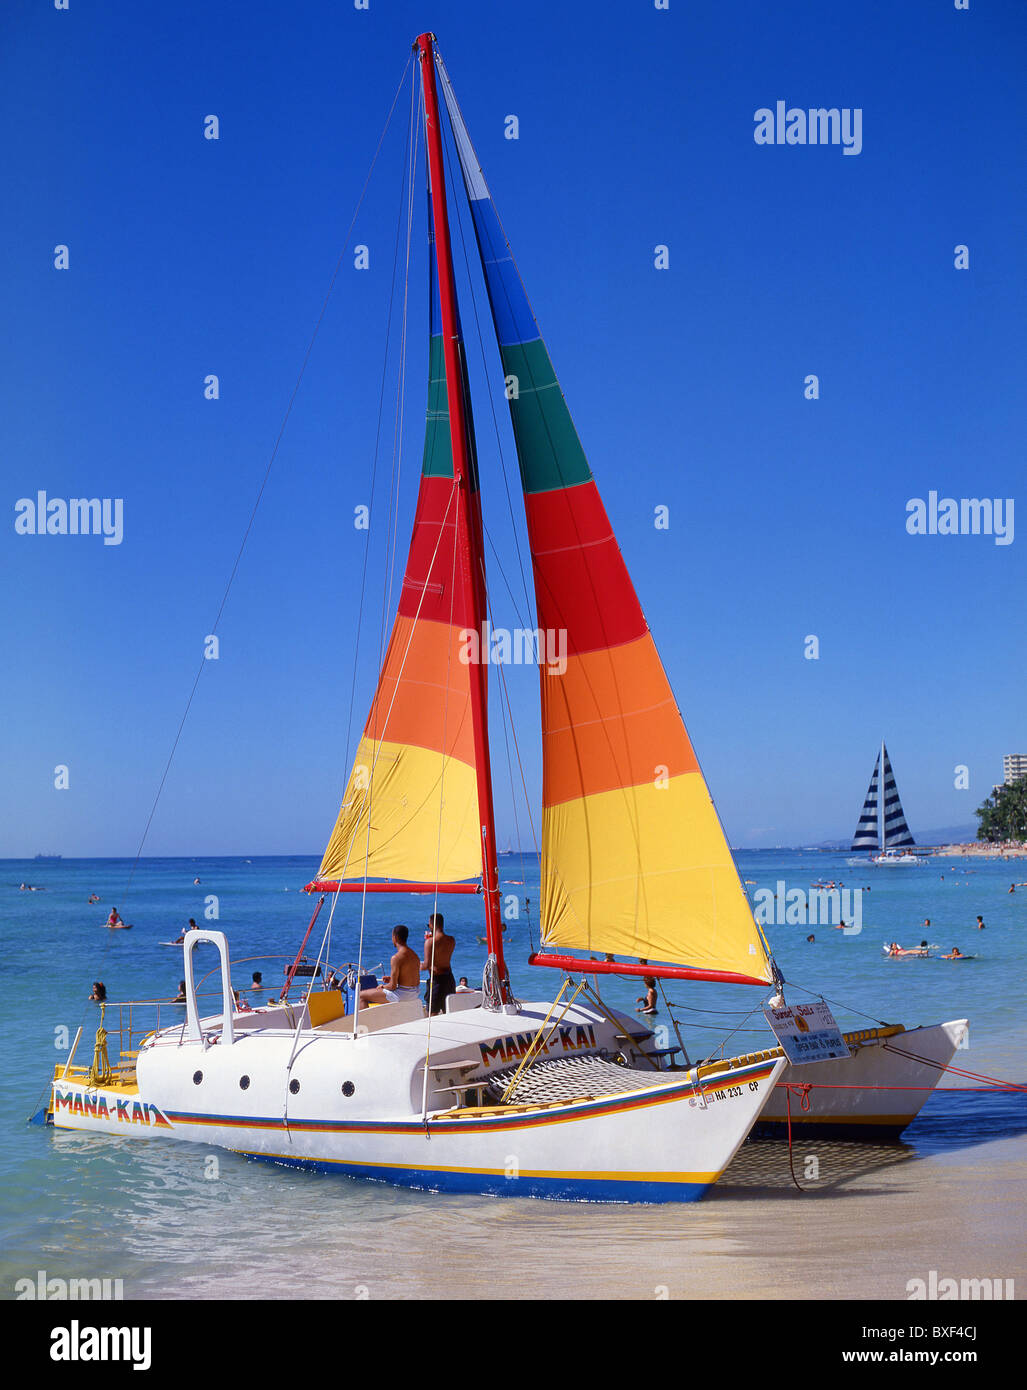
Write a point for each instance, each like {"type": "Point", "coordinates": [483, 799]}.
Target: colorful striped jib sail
{"type": "Point", "coordinates": [634, 859]}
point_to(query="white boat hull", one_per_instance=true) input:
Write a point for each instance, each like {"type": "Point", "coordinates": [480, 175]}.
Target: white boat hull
{"type": "Point", "coordinates": [666, 1140]}
{"type": "Point", "coordinates": [873, 1094]}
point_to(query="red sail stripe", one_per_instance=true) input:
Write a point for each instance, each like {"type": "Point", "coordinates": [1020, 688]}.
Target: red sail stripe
{"type": "Point", "coordinates": [581, 582]}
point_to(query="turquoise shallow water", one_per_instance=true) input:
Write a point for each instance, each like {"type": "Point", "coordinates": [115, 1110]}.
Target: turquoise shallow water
{"type": "Point", "coordinates": [149, 1212]}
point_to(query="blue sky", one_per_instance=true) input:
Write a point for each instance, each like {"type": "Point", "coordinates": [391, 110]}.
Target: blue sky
{"type": "Point", "coordinates": [190, 256]}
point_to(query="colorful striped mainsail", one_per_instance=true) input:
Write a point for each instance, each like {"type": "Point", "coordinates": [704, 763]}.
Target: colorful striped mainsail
{"type": "Point", "coordinates": [410, 810]}
{"type": "Point", "coordinates": [634, 859]}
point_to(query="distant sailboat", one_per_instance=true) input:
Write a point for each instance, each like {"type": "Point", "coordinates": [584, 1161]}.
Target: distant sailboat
{"type": "Point", "coordinates": [882, 822]}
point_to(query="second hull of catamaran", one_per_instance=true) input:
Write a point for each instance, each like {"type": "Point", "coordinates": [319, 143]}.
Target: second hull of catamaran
{"type": "Point", "coordinates": [578, 1126]}
{"type": "Point", "coordinates": [873, 1094]}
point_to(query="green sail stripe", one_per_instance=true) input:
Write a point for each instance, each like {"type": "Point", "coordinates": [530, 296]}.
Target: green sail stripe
{"type": "Point", "coordinates": [548, 446]}
{"type": "Point", "coordinates": [438, 449]}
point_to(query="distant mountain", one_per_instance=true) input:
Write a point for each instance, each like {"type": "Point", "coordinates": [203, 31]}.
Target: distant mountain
{"type": "Point", "coordinates": [947, 835]}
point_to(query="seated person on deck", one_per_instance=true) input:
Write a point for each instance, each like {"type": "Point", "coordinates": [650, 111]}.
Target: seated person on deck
{"type": "Point", "coordinates": [404, 977]}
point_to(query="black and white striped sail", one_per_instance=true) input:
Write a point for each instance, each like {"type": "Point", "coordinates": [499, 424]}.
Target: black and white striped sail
{"type": "Point", "coordinates": [868, 833]}
{"type": "Point", "coordinates": [896, 831]}
{"type": "Point", "coordinates": [882, 825]}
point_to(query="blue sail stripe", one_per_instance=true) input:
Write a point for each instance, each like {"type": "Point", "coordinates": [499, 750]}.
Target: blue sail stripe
{"type": "Point", "coordinates": [515, 323]}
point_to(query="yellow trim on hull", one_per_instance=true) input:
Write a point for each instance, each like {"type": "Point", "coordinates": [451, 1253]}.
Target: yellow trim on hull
{"type": "Point", "coordinates": [567, 1175]}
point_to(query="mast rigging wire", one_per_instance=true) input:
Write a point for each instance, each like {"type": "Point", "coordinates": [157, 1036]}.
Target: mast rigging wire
{"type": "Point", "coordinates": [267, 472]}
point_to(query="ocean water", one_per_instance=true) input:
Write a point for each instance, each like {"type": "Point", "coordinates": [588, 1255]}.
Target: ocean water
{"type": "Point", "coordinates": [152, 1214]}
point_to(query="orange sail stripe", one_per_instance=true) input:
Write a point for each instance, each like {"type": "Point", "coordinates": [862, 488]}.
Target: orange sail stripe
{"type": "Point", "coordinates": [423, 695]}
{"type": "Point", "coordinates": [610, 721]}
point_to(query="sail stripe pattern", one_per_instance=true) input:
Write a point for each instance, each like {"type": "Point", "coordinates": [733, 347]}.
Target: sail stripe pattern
{"type": "Point", "coordinates": [634, 859]}
{"type": "Point", "coordinates": [412, 801]}
{"type": "Point", "coordinates": [868, 835]}
{"type": "Point", "coordinates": [896, 832]}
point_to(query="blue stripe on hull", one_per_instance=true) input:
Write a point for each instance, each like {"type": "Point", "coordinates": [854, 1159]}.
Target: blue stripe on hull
{"type": "Point", "coordinates": [491, 1185]}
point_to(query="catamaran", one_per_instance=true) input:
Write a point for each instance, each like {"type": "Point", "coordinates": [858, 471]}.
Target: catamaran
{"type": "Point", "coordinates": [882, 828]}
{"type": "Point", "coordinates": [567, 1097]}
{"type": "Point", "coordinates": [564, 1098]}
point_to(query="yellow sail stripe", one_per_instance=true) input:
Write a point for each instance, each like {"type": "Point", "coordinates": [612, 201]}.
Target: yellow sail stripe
{"type": "Point", "coordinates": [423, 817]}
{"type": "Point", "coordinates": [646, 872]}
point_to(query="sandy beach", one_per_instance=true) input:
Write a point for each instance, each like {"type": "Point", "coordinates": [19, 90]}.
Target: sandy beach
{"type": "Point", "coordinates": [981, 850]}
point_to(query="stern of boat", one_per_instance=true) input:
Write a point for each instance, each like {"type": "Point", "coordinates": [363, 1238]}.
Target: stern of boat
{"type": "Point", "coordinates": [874, 1093]}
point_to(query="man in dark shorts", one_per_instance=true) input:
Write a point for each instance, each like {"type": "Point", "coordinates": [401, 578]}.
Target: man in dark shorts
{"type": "Point", "coordinates": [438, 953]}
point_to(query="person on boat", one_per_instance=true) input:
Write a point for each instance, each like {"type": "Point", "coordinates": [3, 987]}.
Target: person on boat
{"type": "Point", "coordinates": [180, 996]}
{"type": "Point", "coordinates": [99, 994]}
{"type": "Point", "coordinates": [404, 978]}
{"type": "Point", "coordinates": [241, 1007]}
{"type": "Point", "coordinates": [648, 999]}
{"type": "Point", "coordinates": [114, 920]}
{"type": "Point", "coordinates": [438, 953]}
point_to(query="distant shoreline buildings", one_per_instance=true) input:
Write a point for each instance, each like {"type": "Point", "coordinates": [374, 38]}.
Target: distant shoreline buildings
{"type": "Point", "coordinates": [1014, 767]}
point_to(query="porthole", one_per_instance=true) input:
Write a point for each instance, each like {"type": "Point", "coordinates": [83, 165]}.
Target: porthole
{"type": "Point", "coordinates": [197, 1077]}
{"type": "Point", "coordinates": [244, 1081]}
{"type": "Point", "coordinates": [348, 1088]}
{"type": "Point", "coordinates": [294, 1087]}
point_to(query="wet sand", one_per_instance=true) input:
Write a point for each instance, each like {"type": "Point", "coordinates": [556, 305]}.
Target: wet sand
{"type": "Point", "coordinates": [877, 1217]}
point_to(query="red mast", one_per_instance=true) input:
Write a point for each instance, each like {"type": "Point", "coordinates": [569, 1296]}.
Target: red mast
{"type": "Point", "coordinates": [470, 545]}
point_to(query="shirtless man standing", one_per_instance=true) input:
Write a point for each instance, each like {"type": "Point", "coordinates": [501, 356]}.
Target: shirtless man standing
{"type": "Point", "coordinates": [438, 953]}
{"type": "Point", "coordinates": [404, 977]}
